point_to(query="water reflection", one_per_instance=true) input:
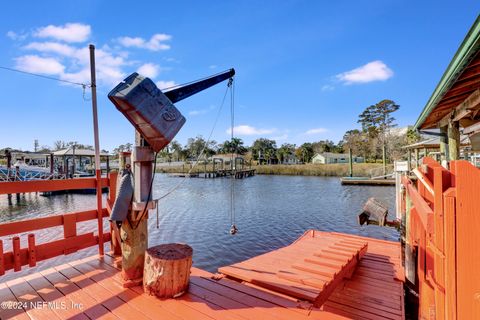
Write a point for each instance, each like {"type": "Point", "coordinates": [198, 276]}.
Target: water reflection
{"type": "Point", "coordinates": [270, 212]}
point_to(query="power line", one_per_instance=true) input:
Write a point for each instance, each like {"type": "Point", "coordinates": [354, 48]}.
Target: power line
{"type": "Point", "coordinates": [45, 77]}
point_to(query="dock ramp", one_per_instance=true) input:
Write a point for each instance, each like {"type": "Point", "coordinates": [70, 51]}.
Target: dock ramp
{"type": "Point", "coordinates": [309, 269]}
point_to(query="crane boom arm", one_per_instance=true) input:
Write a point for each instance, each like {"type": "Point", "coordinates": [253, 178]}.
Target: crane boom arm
{"type": "Point", "coordinates": [179, 93]}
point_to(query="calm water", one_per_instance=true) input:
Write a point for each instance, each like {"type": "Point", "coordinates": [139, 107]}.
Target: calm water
{"type": "Point", "coordinates": [270, 212]}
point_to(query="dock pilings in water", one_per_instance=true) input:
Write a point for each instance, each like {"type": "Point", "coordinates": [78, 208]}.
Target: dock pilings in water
{"type": "Point", "coordinates": [237, 174]}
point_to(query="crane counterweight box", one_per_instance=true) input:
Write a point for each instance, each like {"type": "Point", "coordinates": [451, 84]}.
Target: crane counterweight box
{"type": "Point", "coordinates": [148, 109]}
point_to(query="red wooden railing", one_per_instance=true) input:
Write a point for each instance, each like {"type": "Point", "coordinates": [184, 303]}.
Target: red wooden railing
{"type": "Point", "coordinates": [71, 241]}
{"type": "Point", "coordinates": [442, 211]}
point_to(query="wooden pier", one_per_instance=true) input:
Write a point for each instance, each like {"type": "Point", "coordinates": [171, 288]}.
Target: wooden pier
{"type": "Point", "coordinates": [367, 181]}
{"type": "Point", "coordinates": [237, 174]}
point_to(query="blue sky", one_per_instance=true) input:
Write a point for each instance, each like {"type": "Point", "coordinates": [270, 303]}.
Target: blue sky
{"type": "Point", "coordinates": [305, 69]}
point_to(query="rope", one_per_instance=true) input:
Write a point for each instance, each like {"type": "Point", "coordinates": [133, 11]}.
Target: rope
{"type": "Point", "coordinates": [203, 150]}
{"type": "Point", "coordinates": [233, 228]}
{"type": "Point", "coordinates": [45, 77]}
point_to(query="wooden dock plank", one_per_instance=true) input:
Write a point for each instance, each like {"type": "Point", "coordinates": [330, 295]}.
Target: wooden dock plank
{"type": "Point", "coordinates": [101, 295]}
{"type": "Point", "coordinates": [188, 306]}
{"type": "Point", "coordinates": [285, 270]}
{"type": "Point", "coordinates": [375, 281]}
{"type": "Point", "coordinates": [143, 303]}
{"type": "Point", "coordinates": [32, 301]}
{"type": "Point", "coordinates": [373, 292]}
{"type": "Point", "coordinates": [91, 307]}
{"type": "Point", "coordinates": [11, 310]}
{"type": "Point", "coordinates": [266, 310]}
{"type": "Point", "coordinates": [64, 307]}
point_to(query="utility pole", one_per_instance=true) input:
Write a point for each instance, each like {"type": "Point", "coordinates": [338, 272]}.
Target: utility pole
{"type": "Point", "coordinates": [98, 175]}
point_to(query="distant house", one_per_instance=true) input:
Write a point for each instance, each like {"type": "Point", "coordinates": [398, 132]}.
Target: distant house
{"type": "Point", "coordinates": [290, 159]}
{"type": "Point", "coordinates": [330, 157]}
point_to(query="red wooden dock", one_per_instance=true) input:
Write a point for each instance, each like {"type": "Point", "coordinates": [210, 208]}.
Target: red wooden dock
{"type": "Point", "coordinates": [308, 269]}
{"type": "Point", "coordinates": [91, 288]}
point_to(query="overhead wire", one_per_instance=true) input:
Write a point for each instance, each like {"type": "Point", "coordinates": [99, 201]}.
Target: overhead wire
{"type": "Point", "coordinates": [46, 77]}
{"type": "Point", "coordinates": [83, 85]}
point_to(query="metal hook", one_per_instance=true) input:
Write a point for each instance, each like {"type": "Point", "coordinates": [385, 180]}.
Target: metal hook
{"type": "Point", "coordinates": [233, 229]}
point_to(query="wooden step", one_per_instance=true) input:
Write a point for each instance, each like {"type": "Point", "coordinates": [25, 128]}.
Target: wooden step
{"type": "Point", "coordinates": [310, 269]}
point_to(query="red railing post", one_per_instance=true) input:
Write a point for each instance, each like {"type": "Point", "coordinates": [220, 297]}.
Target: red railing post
{"type": "Point", "coordinates": [2, 260]}
{"type": "Point", "coordinates": [440, 183]}
{"type": "Point", "coordinates": [32, 256]}
{"type": "Point", "coordinates": [99, 210]}
{"type": "Point", "coordinates": [17, 263]}
{"type": "Point", "coordinates": [450, 254]}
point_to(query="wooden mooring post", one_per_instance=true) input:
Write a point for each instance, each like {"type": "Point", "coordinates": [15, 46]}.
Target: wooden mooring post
{"type": "Point", "coordinates": [350, 162]}
{"type": "Point", "coordinates": [134, 232]}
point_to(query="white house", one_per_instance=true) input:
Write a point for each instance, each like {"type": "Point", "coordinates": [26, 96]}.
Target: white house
{"type": "Point", "coordinates": [330, 157]}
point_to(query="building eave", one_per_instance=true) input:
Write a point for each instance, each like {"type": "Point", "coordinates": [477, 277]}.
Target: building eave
{"type": "Point", "coordinates": [464, 54]}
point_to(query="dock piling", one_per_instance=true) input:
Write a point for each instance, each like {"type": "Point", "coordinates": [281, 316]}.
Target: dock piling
{"type": "Point", "coordinates": [134, 232]}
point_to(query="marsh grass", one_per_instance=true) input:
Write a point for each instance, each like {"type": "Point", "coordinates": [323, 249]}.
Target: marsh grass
{"type": "Point", "coordinates": [325, 170]}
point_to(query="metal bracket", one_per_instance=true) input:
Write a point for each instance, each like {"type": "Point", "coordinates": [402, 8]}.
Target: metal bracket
{"type": "Point", "coordinates": [142, 154]}
{"type": "Point", "coordinates": [140, 206]}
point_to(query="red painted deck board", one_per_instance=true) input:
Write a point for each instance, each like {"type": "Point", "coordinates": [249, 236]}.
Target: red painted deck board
{"type": "Point", "coordinates": [289, 270]}
{"type": "Point", "coordinates": [95, 283]}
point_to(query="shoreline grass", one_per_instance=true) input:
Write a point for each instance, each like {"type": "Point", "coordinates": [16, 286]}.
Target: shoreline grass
{"type": "Point", "coordinates": [320, 170]}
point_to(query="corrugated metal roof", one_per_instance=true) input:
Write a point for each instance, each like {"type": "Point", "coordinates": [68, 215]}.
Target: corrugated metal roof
{"type": "Point", "coordinates": [435, 143]}
{"type": "Point", "coordinates": [78, 152]}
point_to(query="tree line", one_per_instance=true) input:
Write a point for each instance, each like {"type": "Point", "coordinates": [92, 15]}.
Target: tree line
{"type": "Point", "coordinates": [263, 150]}
{"type": "Point", "coordinates": [377, 133]}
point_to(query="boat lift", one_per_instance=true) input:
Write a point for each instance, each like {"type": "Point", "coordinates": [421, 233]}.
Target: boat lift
{"type": "Point", "coordinates": [156, 119]}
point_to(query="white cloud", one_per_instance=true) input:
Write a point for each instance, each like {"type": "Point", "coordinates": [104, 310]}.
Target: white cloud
{"type": "Point", "coordinates": [328, 87]}
{"type": "Point", "coordinates": [156, 42]}
{"type": "Point", "coordinates": [71, 61]}
{"type": "Point", "coordinates": [246, 130]}
{"type": "Point", "coordinates": [76, 60]}
{"type": "Point", "coordinates": [201, 111]}
{"type": "Point", "coordinates": [53, 47]}
{"type": "Point", "coordinates": [165, 84]}
{"type": "Point", "coordinates": [70, 32]}
{"type": "Point", "coordinates": [15, 36]}
{"type": "Point", "coordinates": [12, 35]}
{"type": "Point", "coordinates": [280, 138]}
{"type": "Point", "coordinates": [315, 131]}
{"type": "Point", "coordinates": [213, 66]}
{"type": "Point", "coordinates": [149, 70]}
{"type": "Point", "coordinates": [37, 64]}
{"type": "Point", "coordinates": [372, 71]}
